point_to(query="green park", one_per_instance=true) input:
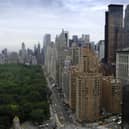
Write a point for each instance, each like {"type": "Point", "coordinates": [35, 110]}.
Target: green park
{"type": "Point", "coordinates": [23, 93]}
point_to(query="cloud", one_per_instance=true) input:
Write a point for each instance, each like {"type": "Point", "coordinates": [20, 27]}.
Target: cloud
{"type": "Point", "coordinates": [29, 20]}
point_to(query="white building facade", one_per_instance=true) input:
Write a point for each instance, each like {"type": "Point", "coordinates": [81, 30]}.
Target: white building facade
{"type": "Point", "coordinates": [122, 66]}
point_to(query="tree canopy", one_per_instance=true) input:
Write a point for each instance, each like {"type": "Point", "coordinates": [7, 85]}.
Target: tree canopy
{"type": "Point", "coordinates": [23, 93]}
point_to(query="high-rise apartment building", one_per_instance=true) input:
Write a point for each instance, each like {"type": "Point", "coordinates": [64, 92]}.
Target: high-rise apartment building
{"type": "Point", "coordinates": [113, 31]}
{"type": "Point", "coordinates": [88, 97]}
{"type": "Point", "coordinates": [111, 94]}
{"type": "Point", "coordinates": [73, 73]}
{"type": "Point", "coordinates": [88, 87]}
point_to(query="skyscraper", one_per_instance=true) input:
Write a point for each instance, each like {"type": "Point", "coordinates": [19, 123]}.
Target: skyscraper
{"type": "Point", "coordinates": [88, 87]}
{"type": "Point", "coordinates": [113, 31]}
{"type": "Point", "coordinates": [126, 19]}
{"type": "Point", "coordinates": [46, 43]}
{"type": "Point", "coordinates": [101, 49]}
{"type": "Point", "coordinates": [126, 27]}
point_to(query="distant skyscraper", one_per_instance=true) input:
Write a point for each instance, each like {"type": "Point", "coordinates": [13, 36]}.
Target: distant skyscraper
{"type": "Point", "coordinates": [61, 43]}
{"type": "Point", "coordinates": [113, 31]}
{"type": "Point", "coordinates": [67, 38]}
{"type": "Point", "coordinates": [47, 39]}
{"type": "Point", "coordinates": [86, 38]}
{"type": "Point", "coordinates": [23, 53]}
{"type": "Point", "coordinates": [46, 43]}
{"type": "Point", "coordinates": [101, 49]}
{"type": "Point", "coordinates": [75, 38]}
{"type": "Point", "coordinates": [23, 45]}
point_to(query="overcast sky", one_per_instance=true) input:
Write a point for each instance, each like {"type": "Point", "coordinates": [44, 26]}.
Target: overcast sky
{"type": "Point", "coordinates": [29, 20]}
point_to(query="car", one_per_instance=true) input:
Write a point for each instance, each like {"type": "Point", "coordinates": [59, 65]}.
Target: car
{"type": "Point", "coordinates": [119, 122]}
{"type": "Point", "coordinates": [41, 126]}
{"type": "Point", "coordinates": [114, 119]}
{"type": "Point", "coordinates": [46, 125]}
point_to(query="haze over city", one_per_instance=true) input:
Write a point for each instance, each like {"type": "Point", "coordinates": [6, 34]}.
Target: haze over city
{"type": "Point", "coordinates": [29, 20]}
{"type": "Point", "coordinates": [64, 64]}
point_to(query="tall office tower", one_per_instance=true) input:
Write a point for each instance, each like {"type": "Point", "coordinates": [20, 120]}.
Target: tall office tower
{"type": "Point", "coordinates": [126, 19]}
{"type": "Point", "coordinates": [38, 55]}
{"type": "Point", "coordinates": [113, 31]}
{"type": "Point", "coordinates": [101, 49]}
{"type": "Point", "coordinates": [23, 53]}
{"type": "Point", "coordinates": [51, 60]}
{"type": "Point", "coordinates": [86, 38]}
{"type": "Point", "coordinates": [66, 33]}
{"type": "Point", "coordinates": [126, 27]}
{"type": "Point", "coordinates": [23, 45]}
{"type": "Point", "coordinates": [61, 48]}
{"type": "Point", "coordinates": [75, 38]}
{"type": "Point", "coordinates": [88, 87]}
{"type": "Point", "coordinates": [5, 56]}
{"type": "Point", "coordinates": [46, 40]}
{"type": "Point", "coordinates": [46, 43]}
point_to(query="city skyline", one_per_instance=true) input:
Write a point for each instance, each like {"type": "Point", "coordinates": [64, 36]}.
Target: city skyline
{"type": "Point", "coordinates": [27, 21]}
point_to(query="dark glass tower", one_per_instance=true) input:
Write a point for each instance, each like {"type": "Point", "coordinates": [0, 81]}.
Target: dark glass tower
{"type": "Point", "coordinates": [113, 31]}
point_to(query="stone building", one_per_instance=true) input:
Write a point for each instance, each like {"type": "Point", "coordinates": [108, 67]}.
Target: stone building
{"type": "Point", "coordinates": [88, 87]}
{"type": "Point", "coordinates": [88, 96]}
{"type": "Point", "coordinates": [111, 95]}
{"type": "Point", "coordinates": [122, 65]}
{"type": "Point", "coordinates": [72, 86]}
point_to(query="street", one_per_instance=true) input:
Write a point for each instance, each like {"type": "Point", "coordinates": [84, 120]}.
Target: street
{"type": "Point", "coordinates": [64, 118]}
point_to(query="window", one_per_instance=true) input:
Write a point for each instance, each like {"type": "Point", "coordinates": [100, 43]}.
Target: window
{"type": "Point", "coordinates": [96, 90]}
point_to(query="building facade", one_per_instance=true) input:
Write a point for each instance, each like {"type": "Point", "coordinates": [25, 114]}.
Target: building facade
{"type": "Point", "coordinates": [61, 43]}
{"type": "Point", "coordinates": [125, 105]}
{"type": "Point", "coordinates": [88, 96]}
{"type": "Point", "coordinates": [88, 87]}
{"type": "Point", "coordinates": [73, 73]}
{"type": "Point", "coordinates": [111, 95]}
{"type": "Point", "coordinates": [122, 65]}
{"type": "Point", "coordinates": [113, 31]}
{"type": "Point", "coordinates": [101, 49]}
